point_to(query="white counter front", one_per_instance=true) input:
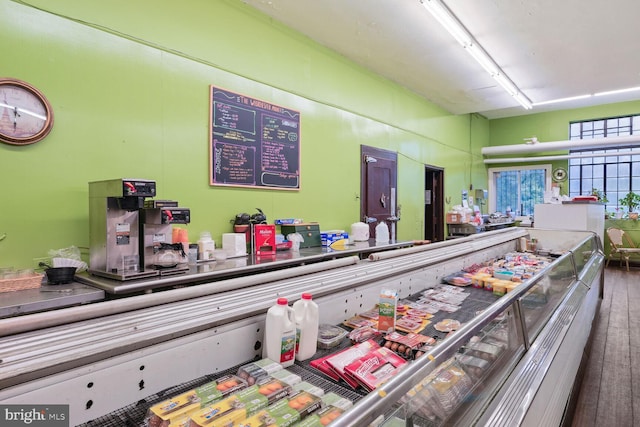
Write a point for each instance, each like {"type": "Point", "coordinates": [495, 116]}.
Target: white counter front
{"type": "Point", "coordinates": [570, 216]}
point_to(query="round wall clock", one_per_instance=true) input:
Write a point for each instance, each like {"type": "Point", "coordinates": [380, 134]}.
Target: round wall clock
{"type": "Point", "coordinates": [26, 115]}
{"type": "Point", "coordinates": [559, 174]}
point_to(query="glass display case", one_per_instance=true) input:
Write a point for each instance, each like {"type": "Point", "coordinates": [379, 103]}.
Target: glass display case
{"type": "Point", "coordinates": [515, 353]}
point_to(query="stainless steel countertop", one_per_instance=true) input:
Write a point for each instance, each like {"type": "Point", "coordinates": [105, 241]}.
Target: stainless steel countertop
{"type": "Point", "coordinates": [47, 297]}
{"type": "Point", "coordinates": [209, 271]}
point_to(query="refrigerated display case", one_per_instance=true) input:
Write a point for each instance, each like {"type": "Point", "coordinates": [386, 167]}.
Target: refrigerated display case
{"type": "Point", "coordinates": [514, 361]}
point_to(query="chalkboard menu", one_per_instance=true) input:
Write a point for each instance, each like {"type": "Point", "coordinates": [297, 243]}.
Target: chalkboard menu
{"type": "Point", "coordinates": [253, 143]}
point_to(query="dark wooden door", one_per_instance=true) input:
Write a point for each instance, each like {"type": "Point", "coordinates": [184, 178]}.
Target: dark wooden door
{"type": "Point", "coordinates": [434, 204]}
{"type": "Point", "coordinates": [378, 181]}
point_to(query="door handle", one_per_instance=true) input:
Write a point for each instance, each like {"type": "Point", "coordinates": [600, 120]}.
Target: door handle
{"type": "Point", "coordinates": [393, 218]}
{"type": "Point", "coordinates": [369, 219]}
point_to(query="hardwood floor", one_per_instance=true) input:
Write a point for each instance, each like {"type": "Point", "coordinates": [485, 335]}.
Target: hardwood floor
{"type": "Point", "coordinates": [610, 390]}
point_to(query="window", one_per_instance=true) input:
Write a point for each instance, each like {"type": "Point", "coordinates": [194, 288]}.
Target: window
{"type": "Point", "coordinates": [518, 189]}
{"type": "Point", "coordinates": [614, 171]}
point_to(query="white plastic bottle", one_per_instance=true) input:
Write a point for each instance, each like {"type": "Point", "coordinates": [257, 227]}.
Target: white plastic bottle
{"type": "Point", "coordinates": [382, 233]}
{"type": "Point", "coordinates": [280, 334]}
{"type": "Point", "coordinates": [307, 322]}
{"type": "Point", "coordinates": [206, 246]}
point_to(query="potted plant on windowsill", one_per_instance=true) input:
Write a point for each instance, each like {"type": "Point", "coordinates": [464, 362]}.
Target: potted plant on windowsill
{"type": "Point", "coordinates": [631, 201]}
{"type": "Point", "coordinates": [600, 195]}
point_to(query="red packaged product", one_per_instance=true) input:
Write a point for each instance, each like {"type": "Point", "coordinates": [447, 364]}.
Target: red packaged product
{"type": "Point", "coordinates": [339, 360]}
{"type": "Point", "coordinates": [375, 368]}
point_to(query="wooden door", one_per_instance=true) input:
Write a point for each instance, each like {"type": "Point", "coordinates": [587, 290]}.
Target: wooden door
{"type": "Point", "coordinates": [434, 204]}
{"type": "Point", "coordinates": [378, 182]}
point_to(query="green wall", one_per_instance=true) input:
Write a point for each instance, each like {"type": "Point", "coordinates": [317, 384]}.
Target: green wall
{"type": "Point", "coordinates": [129, 84]}
{"type": "Point", "coordinates": [552, 126]}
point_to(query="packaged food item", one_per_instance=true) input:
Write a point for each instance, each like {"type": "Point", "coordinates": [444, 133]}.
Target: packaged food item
{"type": "Point", "coordinates": [253, 371]}
{"type": "Point", "coordinates": [308, 387]}
{"type": "Point", "coordinates": [322, 417]}
{"type": "Point", "coordinates": [370, 314]}
{"type": "Point", "coordinates": [242, 404]}
{"type": "Point", "coordinates": [321, 365]}
{"type": "Point", "coordinates": [333, 399]}
{"type": "Point", "coordinates": [458, 280]}
{"type": "Point", "coordinates": [339, 360]}
{"type": "Point", "coordinates": [488, 283]}
{"type": "Point", "coordinates": [411, 324]}
{"type": "Point", "coordinates": [387, 307]}
{"type": "Point", "coordinates": [304, 403]}
{"type": "Point", "coordinates": [483, 350]}
{"type": "Point", "coordinates": [330, 336]}
{"type": "Point", "coordinates": [449, 388]}
{"type": "Point", "coordinates": [169, 411]}
{"type": "Point", "coordinates": [358, 322]}
{"type": "Point", "coordinates": [477, 280]}
{"type": "Point", "coordinates": [363, 334]}
{"type": "Point", "coordinates": [286, 377]}
{"type": "Point", "coordinates": [406, 345]}
{"type": "Point", "coordinates": [375, 368]}
{"type": "Point", "coordinates": [475, 366]}
{"type": "Point", "coordinates": [500, 287]}
{"type": "Point", "coordinates": [419, 313]}
{"type": "Point", "coordinates": [447, 325]}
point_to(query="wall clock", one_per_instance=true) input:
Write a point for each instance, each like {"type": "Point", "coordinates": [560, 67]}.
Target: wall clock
{"type": "Point", "coordinates": [559, 174]}
{"type": "Point", "coordinates": [26, 115]}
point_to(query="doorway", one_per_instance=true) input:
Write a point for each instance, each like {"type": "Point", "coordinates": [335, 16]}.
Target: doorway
{"type": "Point", "coordinates": [378, 185]}
{"type": "Point", "coordinates": [433, 203]}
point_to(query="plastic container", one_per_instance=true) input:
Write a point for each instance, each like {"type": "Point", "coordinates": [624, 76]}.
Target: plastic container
{"type": "Point", "coordinates": [307, 323]}
{"type": "Point", "coordinates": [330, 336]}
{"type": "Point", "coordinates": [280, 334]}
{"type": "Point", "coordinates": [206, 246]}
{"type": "Point", "coordinates": [503, 274]}
{"type": "Point", "coordinates": [382, 233]}
{"type": "Point", "coordinates": [193, 253]}
{"type": "Point", "coordinates": [360, 232]}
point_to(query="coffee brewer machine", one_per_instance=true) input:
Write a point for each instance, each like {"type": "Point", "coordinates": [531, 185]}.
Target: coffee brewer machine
{"type": "Point", "coordinates": [114, 227]}
{"type": "Point", "coordinates": [156, 248]}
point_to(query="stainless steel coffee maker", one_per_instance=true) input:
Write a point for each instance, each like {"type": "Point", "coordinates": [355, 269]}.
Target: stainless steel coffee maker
{"type": "Point", "coordinates": [114, 227]}
{"type": "Point", "coordinates": [156, 248]}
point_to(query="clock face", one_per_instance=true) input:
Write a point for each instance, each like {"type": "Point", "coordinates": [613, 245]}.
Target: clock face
{"type": "Point", "coordinates": [25, 114]}
{"type": "Point", "coordinates": [559, 174]}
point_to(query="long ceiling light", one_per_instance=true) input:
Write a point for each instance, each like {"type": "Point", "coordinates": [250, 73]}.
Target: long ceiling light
{"type": "Point", "coordinates": [449, 21]}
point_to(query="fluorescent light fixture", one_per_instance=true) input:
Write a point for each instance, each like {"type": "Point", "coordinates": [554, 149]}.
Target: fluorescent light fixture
{"type": "Point", "coordinates": [523, 100]}
{"type": "Point", "coordinates": [614, 92]}
{"type": "Point", "coordinates": [483, 59]}
{"type": "Point", "coordinates": [450, 23]}
{"type": "Point", "coordinates": [555, 101]}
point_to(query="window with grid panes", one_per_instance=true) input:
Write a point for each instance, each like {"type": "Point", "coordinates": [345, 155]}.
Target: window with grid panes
{"type": "Point", "coordinates": [614, 170]}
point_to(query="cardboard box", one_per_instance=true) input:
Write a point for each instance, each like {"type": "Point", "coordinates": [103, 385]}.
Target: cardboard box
{"type": "Point", "coordinates": [457, 218]}
{"type": "Point", "coordinates": [264, 239]}
{"type": "Point", "coordinates": [330, 237]}
{"type": "Point", "coordinates": [387, 310]}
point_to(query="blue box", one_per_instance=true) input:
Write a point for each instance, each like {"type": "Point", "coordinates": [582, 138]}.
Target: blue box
{"type": "Point", "coordinates": [330, 237]}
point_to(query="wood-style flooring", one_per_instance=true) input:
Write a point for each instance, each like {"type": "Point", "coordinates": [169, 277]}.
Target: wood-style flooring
{"type": "Point", "coordinates": [610, 390]}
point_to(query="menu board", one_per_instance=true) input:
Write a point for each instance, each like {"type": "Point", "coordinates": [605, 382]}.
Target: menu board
{"type": "Point", "coordinates": [253, 143]}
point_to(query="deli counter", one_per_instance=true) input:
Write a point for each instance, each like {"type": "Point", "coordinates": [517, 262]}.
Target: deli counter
{"type": "Point", "coordinates": [110, 361]}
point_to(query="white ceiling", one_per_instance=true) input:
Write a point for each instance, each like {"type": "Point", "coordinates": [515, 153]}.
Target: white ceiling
{"type": "Point", "coordinates": [550, 49]}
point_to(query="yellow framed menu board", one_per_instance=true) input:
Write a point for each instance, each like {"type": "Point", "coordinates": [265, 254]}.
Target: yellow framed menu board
{"type": "Point", "coordinates": [252, 143]}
